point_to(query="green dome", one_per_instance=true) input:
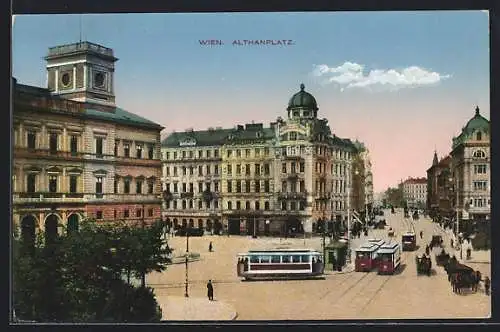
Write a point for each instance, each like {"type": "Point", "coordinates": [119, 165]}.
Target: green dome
{"type": "Point", "coordinates": [477, 122]}
{"type": "Point", "coordinates": [303, 99]}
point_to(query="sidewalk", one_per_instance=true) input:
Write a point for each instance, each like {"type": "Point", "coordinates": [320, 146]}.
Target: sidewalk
{"type": "Point", "coordinates": [347, 269]}
{"type": "Point", "coordinates": [192, 308]}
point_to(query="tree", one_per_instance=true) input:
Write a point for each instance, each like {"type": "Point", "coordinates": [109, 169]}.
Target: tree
{"type": "Point", "coordinates": [78, 277]}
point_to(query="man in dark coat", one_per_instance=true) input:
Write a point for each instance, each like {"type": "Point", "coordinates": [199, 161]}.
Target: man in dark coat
{"type": "Point", "coordinates": [487, 284]}
{"type": "Point", "coordinates": [210, 290]}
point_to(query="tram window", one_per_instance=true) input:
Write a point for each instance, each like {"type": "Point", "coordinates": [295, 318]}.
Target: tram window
{"type": "Point", "coordinates": [265, 259]}
{"type": "Point", "coordinates": [296, 259]}
{"type": "Point", "coordinates": [305, 259]}
{"type": "Point", "coordinates": [254, 259]}
{"type": "Point", "coordinates": [362, 255]}
{"type": "Point", "coordinates": [285, 259]}
{"type": "Point", "coordinates": [386, 258]}
{"type": "Point", "coordinates": [275, 259]}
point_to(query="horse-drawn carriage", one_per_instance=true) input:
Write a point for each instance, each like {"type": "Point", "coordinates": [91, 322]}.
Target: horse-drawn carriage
{"type": "Point", "coordinates": [461, 276]}
{"type": "Point", "coordinates": [390, 232]}
{"type": "Point", "coordinates": [442, 258]}
{"type": "Point", "coordinates": [424, 264]}
{"type": "Point", "coordinates": [415, 215]}
{"type": "Point", "coordinates": [436, 241]}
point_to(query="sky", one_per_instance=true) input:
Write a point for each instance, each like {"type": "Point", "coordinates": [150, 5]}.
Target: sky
{"type": "Point", "coordinates": [404, 83]}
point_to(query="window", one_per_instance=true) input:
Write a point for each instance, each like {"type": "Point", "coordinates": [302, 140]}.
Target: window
{"type": "Point", "coordinates": [229, 153]}
{"type": "Point", "coordinates": [229, 205]}
{"type": "Point", "coordinates": [283, 167]}
{"type": "Point", "coordinates": [200, 170]}
{"type": "Point", "coordinates": [167, 155]}
{"type": "Point", "coordinates": [238, 186]}
{"type": "Point", "coordinates": [184, 187]}
{"type": "Point", "coordinates": [175, 170]}
{"type": "Point", "coordinates": [257, 186]}
{"type": "Point", "coordinates": [98, 147]}
{"type": "Point", "coordinates": [73, 145]}
{"type": "Point", "coordinates": [238, 153]}
{"type": "Point", "coordinates": [184, 204]}
{"type": "Point", "coordinates": [191, 187]}
{"type": "Point", "coordinates": [138, 213]}
{"type": "Point", "coordinates": [293, 168]}
{"type": "Point", "coordinates": [247, 186]}
{"type": "Point", "coordinates": [229, 170]}
{"type": "Point", "coordinates": [126, 186]}
{"type": "Point", "coordinates": [478, 202]}
{"type": "Point", "coordinates": [138, 186]}
{"type": "Point", "coordinates": [98, 214]}
{"type": "Point", "coordinates": [257, 205]}
{"type": "Point", "coordinates": [126, 213]}
{"type": "Point", "coordinates": [115, 186]}
{"type": "Point", "coordinates": [480, 185]}
{"type": "Point", "coordinates": [238, 169]}
{"type": "Point", "coordinates": [53, 142]}
{"type": "Point", "coordinates": [257, 152]}
{"type": "Point", "coordinates": [284, 186]}
{"type": "Point", "coordinates": [216, 154]}
{"type": "Point", "coordinates": [183, 154]}
{"type": "Point", "coordinates": [200, 204]}
{"type": "Point", "coordinates": [266, 186]}
{"type": "Point", "coordinates": [302, 186]}
{"type": "Point", "coordinates": [31, 183]}
{"type": "Point", "coordinates": [479, 169]}
{"type": "Point", "coordinates": [151, 186]}
{"type": "Point", "coordinates": [283, 206]}
{"type": "Point", "coordinates": [479, 154]}
{"type": "Point", "coordinates": [238, 205]}
{"type": "Point", "coordinates": [266, 205]}
{"type": "Point", "coordinates": [267, 169]}
{"type": "Point", "coordinates": [200, 187]}
{"type": "Point", "coordinates": [266, 151]}
{"type": "Point", "coordinates": [31, 140]}
{"type": "Point", "coordinates": [115, 150]}
{"type": "Point", "coordinates": [184, 170]}
{"type": "Point", "coordinates": [191, 170]}
{"type": "Point", "coordinates": [216, 186]}
{"type": "Point", "coordinates": [247, 205]}
{"type": "Point", "coordinates": [176, 187]}
{"type": "Point", "coordinates": [175, 155]}
{"type": "Point", "coordinates": [138, 150]}
{"type": "Point", "coordinates": [207, 169]}
{"type": "Point", "coordinates": [126, 150]}
{"type": "Point", "coordinates": [478, 136]}
{"type": "Point", "coordinates": [216, 204]}
{"type": "Point", "coordinates": [98, 185]}
{"type": "Point", "coordinates": [247, 169]}
{"type": "Point", "coordinates": [293, 206]}
{"type": "Point", "coordinates": [52, 183]}
{"type": "Point", "coordinates": [167, 170]}
{"type": "Point", "coordinates": [175, 205]}
{"type": "Point", "coordinates": [257, 169]}
{"type": "Point", "coordinates": [150, 151]}
{"type": "Point", "coordinates": [247, 153]}
{"type": "Point", "coordinates": [73, 183]}
{"type": "Point", "coordinates": [115, 214]}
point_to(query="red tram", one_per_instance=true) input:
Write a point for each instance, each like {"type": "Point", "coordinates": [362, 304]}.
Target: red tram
{"type": "Point", "coordinates": [280, 263]}
{"type": "Point", "coordinates": [366, 257]}
{"type": "Point", "coordinates": [389, 258]}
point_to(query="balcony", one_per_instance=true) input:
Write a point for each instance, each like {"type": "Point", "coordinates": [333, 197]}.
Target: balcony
{"type": "Point", "coordinates": [292, 176]}
{"type": "Point", "coordinates": [122, 198]}
{"type": "Point", "coordinates": [292, 195]}
{"type": "Point", "coordinates": [120, 160]}
{"type": "Point", "coordinates": [187, 195]}
{"type": "Point", "coordinates": [323, 196]}
{"type": "Point", "coordinates": [244, 212]}
{"type": "Point", "coordinates": [46, 197]}
{"type": "Point", "coordinates": [47, 153]}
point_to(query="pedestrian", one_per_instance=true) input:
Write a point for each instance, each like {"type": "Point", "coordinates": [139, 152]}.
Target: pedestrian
{"type": "Point", "coordinates": [421, 234]}
{"type": "Point", "coordinates": [469, 252]}
{"type": "Point", "coordinates": [210, 247]}
{"type": "Point", "coordinates": [487, 284]}
{"type": "Point", "coordinates": [210, 290]}
{"type": "Point", "coordinates": [451, 243]}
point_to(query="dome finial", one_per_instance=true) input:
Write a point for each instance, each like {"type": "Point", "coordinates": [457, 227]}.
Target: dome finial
{"type": "Point", "coordinates": [477, 110]}
{"type": "Point", "coordinates": [302, 86]}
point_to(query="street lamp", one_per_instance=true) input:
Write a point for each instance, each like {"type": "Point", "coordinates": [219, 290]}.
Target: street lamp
{"type": "Point", "coordinates": [186, 294]}
{"type": "Point", "coordinates": [348, 215]}
{"type": "Point", "coordinates": [304, 231]}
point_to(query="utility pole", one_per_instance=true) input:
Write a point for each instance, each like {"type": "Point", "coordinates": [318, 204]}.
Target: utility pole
{"type": "Point", "coordinates": [348, 215]}
{"type": "Point", "coordinates": [143, 275]}
{"type": "Point", "coordinates": [186, 294]}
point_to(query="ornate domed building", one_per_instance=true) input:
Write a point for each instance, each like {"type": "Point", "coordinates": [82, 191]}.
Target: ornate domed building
{"type": "Point", "coordinates": [289, 177]}
{"type": "Point", "coordinates": [470, 167]}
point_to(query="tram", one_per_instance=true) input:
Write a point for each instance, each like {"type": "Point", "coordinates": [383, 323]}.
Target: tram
{"type": "Point", "coordinates": [280, 263]}
{"type": "Point", "coordinates": [409, 241]}
{"type": "Point", "coordinates": [389, 258]}
{"type": "Point", "coordinates": [378, 242]}
{"type": "Point", "coordinates": [366, 257]}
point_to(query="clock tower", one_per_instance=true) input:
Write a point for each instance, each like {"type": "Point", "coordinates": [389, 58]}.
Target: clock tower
{"type": "Point", "coordinates": [82, 72]}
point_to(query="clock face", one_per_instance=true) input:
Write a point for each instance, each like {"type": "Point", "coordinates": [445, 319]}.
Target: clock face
{"type": "Point", "coordinates": [99, 80]}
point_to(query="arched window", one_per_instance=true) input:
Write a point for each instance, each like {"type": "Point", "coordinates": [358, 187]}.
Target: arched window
{"type": "Point", "coordinates": [478, 136]}
{"type": "Point", "coordinates": [479, 154]}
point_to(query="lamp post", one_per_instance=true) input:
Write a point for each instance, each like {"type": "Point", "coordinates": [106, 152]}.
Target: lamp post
{"type": "Point", "coordinates": [186, 293]}
{"type": "Point", "coordinates": [348, 216]}
{"type": "Point", "coordinates": [304, 231]}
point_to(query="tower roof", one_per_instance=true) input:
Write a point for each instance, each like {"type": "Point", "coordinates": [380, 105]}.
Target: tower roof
{"type": "Point", "coordinates": [303, 99]}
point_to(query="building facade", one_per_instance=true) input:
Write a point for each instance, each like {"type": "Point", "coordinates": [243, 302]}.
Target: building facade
{"type": "Point", "coordinates": [290, 176]}
{"type": "Point", "coordinates": [440, 195]}
{"type": "Point", "coordinates": [363, 197]}
{"type": "Point", "coordinates": [470, 166]}
{"type": "Point", "coordinates": [76, 154]}
{"type": "Point", "coordinates": [415, 192]}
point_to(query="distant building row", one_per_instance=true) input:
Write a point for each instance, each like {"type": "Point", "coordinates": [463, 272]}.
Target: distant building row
{"type": "Point", "coordinates": [415, 192]}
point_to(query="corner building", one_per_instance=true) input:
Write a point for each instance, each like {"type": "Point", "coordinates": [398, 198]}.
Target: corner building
{"type": "Point", "coordinates": [78, 155]}
{"type": "Point", "coordinates": [290, 177]}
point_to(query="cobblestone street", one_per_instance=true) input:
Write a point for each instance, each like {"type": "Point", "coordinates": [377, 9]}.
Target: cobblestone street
{"type": "Point", "coordinates": [353, 295]}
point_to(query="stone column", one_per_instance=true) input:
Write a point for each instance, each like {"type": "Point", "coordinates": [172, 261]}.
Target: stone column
{"type": "Point", "coordinates": [74, 77]}
{"type": "Point", "coordinates": [56, 78]}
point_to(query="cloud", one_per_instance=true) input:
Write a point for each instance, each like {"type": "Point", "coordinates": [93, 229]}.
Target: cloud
{"type": "Point", "coordinates": [353, 75]}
